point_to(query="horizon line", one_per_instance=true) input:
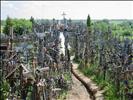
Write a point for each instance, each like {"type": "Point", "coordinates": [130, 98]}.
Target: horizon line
{"type": "Point", "coordinates": [71, 18]}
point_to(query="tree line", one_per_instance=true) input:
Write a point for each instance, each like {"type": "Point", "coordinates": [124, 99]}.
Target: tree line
{"type": "Point", "coordinates": [20, 26]}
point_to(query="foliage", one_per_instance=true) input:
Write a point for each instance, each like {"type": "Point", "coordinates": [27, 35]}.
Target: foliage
{"type": "Point", "coordinates": [62, 95]}
{"type": "Point", "coordinates": [88, 21]}
{"type": "Point", "coordinates": [1, 29]}
{"type": "Point", "coordinates": [32, 20]}
{"type": "Point", "coordinates": [3, 22]}
{"type": "Point", "coordinates": [4, 89]}
{"type": "Point", "coordinates": [124, 29]}
{"type": "Point", "coordinates": [107, 85]}
{"type": "Point", "coordinates": [20, 26]}
{"type": "Point", "coordinates": [126, 33]}
{"type": "Point", "coordinates": [101, 25]}
{"type": "Point", "coordinates": [9, 23]}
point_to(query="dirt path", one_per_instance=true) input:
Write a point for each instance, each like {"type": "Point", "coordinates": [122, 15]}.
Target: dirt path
{"type": "Point", "coordinates": [78, 91]}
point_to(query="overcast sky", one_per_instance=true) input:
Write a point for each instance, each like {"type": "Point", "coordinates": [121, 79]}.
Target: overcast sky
{"type": "Point", "coordinates": [73, 9]}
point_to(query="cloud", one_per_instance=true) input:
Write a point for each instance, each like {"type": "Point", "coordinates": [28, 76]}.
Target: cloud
{"type": "Point", "coordinates": [132, 10]}
{"type": "Point", "coordinates": [73, 9]}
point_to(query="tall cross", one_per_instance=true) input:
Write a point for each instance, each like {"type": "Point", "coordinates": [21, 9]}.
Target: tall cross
{"type": "Point", "coordinates": [63, 15]}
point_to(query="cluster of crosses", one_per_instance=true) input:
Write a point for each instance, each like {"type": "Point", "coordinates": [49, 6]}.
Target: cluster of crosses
{"type": "Point", "coordinates": [114, 57]}
{"type": "Point", "coordinates": [34, 66]}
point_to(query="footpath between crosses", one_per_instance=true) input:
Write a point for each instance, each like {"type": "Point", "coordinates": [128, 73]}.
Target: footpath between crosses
{"type": "Point", "coordinates": [92, 88]}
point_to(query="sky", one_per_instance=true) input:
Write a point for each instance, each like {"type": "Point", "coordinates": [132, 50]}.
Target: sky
{"type": "Point", "coordinates": [73, 9]}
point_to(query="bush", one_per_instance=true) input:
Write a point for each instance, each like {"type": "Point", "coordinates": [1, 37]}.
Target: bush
{"type": "Point", "coordinates": [4, 89]}
{"type": "Point", "coordinates": [126, 33]}
{"type": "Point", "coordinates": [20, 26]}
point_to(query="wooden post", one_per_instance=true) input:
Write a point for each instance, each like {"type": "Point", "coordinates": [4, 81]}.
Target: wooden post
{"type": "Point", "coordinates": [21, 79]}
{"type": "Point", "coordinates": [34, 63]}
{"type": "Point", "coordinates": [76, 47]}
{"type": "Point", "coordinates": [11, 34]}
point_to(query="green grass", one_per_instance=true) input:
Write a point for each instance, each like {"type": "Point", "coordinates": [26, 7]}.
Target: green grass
{"type": "Point", "coordinates": [67, 76]}
{"type": "Point", "coordinates": [62, 96]}
{"type": "Point", "coordinates": [93, 73]}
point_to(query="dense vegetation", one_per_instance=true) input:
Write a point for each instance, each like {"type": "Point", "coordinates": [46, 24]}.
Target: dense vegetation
{"type": "Point", "coordinates": [107, 56]}
{"type": "Point", "coordinates": [119, 28]}
{"type": "Point", "coordinates": [20, 26]}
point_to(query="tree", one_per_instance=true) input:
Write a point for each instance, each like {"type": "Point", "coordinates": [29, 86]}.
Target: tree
{"type": "Point", "coordinates": [88, 39]}
{"type": "Point", "coordinates": [88, 21]}
{"type": "Point", "coordinates": [22, 26]}
{"type": "Point", "coordinates": [33, 22]}
{"type": "Point", "coordinates": [9, 23]}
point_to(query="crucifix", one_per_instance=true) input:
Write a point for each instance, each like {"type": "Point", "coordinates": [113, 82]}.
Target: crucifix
{"type": "Point", "coordinates": [63, 15]}
{"type": "Point", "coordinates": [65, 21]}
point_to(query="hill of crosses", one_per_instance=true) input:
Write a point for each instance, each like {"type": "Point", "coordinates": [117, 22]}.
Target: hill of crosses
{"type": "Point", "coordinates": [66, 59]}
